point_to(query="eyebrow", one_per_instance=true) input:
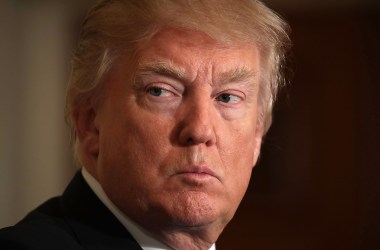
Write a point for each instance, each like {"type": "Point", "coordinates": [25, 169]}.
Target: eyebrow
{"type": "Point", "coordinates": [237, 75]}
{"type": "Point", "coordinates": [171, 70]}
{"type": "Point", "coordinates": [162, 68]}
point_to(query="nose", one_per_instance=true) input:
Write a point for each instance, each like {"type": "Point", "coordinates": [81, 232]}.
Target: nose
{"type": "Point", "coordinates": [197, 125]}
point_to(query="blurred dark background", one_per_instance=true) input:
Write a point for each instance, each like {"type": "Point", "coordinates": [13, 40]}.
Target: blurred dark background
{"type": "Point", "coordinates": [317, 185]}
{"type": "Point", "coordinates": [317, 182]}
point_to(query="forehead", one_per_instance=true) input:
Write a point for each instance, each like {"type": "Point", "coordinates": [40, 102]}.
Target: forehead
{"type": "Point", "coordinates": [186, 48]}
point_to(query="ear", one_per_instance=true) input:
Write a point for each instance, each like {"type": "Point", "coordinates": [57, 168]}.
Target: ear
{"type": "Point", "coordinates": [87, 131]}
{"type": "Point", "coordinates": [259, 133]}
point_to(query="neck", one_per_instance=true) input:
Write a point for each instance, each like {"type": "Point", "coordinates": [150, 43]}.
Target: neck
{"type": "Point", "coordinates": [190, 238]}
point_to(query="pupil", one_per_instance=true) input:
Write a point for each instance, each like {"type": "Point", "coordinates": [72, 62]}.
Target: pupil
{"type": "Point", "coordinates": [225, 97]}
{"type": "Point", "coordinates": [155, 91]}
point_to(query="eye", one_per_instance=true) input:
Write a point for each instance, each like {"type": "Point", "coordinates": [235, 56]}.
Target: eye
{"type": "Point", "coordinates": [228, 98]}
{"type": "Point", "coordinates": [157, 91]}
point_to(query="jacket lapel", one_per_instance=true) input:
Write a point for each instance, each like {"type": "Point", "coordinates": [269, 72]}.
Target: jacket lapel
{"type": "Point", "coordinates": [93, 224]}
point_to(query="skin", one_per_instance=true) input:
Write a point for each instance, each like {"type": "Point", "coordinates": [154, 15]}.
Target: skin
{"type": "Point", "coordinates": [174, 149]}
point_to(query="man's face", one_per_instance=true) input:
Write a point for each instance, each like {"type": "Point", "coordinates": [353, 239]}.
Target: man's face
{"type": "Point", "coordinates": [178, 144]}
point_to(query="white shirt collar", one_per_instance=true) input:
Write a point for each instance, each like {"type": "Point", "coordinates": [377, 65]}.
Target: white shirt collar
{"type": "Point", "coordinates": [139, 234]}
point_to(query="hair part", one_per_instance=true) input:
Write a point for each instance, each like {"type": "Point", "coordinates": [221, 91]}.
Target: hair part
{"type": "Point", "coordinates": [120, 28]}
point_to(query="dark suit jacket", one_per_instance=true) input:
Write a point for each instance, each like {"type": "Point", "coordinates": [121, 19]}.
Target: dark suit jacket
{"type": "Point", "coordinates": [76, 220]}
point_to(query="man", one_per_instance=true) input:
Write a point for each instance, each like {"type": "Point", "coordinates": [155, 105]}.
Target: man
{"type": "Point", "coordinates": [168, 103]}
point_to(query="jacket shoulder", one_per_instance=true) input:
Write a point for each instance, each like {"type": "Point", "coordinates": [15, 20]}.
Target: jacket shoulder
{"type": "Point", "coordinates": [30, 236]}
{"type": "Point", "coordinates": [43, 228]}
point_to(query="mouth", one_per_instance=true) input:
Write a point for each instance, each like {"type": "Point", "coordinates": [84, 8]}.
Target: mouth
{"type": "Point", "coordinates": [197, 173]}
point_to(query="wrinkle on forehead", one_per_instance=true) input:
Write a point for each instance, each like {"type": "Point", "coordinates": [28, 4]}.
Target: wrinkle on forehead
{"type": "Point", "coordinates": [192, 55]}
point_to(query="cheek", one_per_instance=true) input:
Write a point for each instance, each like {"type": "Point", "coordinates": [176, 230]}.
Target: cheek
{"type": "Point", "coordinates": [133, 148]}
{"type": "Point", "coordinates": [242, 143]}
{"type": "Point", "coordinates": [238, 158]}
{"type": "Point", "coordinates": [129, 162]}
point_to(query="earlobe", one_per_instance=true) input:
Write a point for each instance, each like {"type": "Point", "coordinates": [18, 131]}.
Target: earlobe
{"type": "Point", "coordinates": [86, 129]}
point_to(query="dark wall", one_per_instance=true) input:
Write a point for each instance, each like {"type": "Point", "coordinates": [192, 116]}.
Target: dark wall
{"type": "Point", "coordinates": [317, 185]}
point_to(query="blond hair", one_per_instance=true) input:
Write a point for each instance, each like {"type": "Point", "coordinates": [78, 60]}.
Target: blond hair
{"type": "Point", "coordinates": [116, 28]}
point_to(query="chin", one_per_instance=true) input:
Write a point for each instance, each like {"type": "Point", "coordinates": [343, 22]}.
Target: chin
{"type": "Point", "coordinates": [195, 209]}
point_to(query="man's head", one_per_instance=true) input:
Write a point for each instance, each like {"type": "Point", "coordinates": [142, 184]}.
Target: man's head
{"type": "Point", "coordinates": [169, 101]}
